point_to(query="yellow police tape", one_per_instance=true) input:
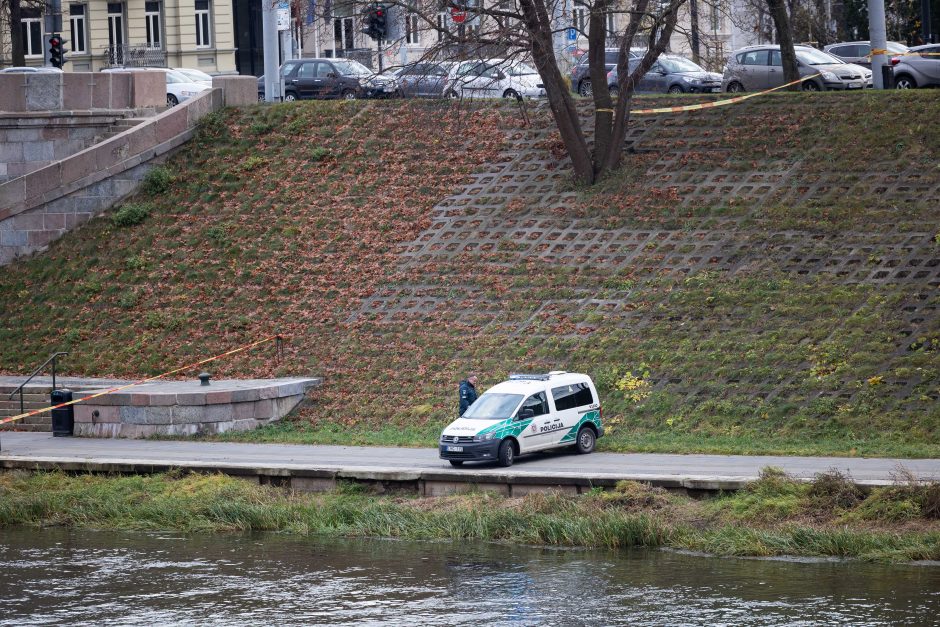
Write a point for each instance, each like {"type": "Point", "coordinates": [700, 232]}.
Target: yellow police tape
{"type": "Point", "coordinates": [718, 103]}
{"type": "Point", "coordinates": [140, 382]}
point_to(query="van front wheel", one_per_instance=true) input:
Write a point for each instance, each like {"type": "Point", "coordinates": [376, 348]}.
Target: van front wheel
{"type": "Point", "coordinates": [507, 454]}
{"type": "Point", "coordinates": [586, 440]}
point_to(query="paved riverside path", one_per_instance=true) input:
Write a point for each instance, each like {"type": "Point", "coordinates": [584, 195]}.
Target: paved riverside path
{"type": "Point", "coordinates": [42, 450]}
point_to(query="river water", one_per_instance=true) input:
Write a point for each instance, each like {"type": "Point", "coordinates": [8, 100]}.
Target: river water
{"type": "Point", "coordinates": [56, 576]}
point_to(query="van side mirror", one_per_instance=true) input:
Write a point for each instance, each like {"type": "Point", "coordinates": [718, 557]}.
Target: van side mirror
{"type": "Point", "coordinates": [331, 75]}
{"type": "Point", "coordinates": [500, 76]}
{"type": "Point", "coordinates": [526, 412]}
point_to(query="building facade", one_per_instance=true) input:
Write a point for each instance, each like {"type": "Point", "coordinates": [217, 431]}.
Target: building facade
{"type": "Point", "coordinates": [159, 33]}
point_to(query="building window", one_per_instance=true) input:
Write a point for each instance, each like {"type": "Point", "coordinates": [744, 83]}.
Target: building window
{"type": "Point", "coordinates": [343, 36]}
{"type": "Point", "coordinates": [443, 25]}
{"type": "Point", "coordinates": [115, 24]}
{"type": "Point", "coordinates": [579, 19]}
{"type": "Point", "coordinates": [412, 36]}
{"type": "Point", "coordinates": [78, 28]}
{"type": "Point", "coordinates": [203, 30]}
{"type": "Point", "coordinates": [153, 21]}
{"type": "Point", "coordinates": [31, 32]}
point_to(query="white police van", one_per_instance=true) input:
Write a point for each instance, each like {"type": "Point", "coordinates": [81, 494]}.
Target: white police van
{"type": "Point", "coordinates": [527, 413]}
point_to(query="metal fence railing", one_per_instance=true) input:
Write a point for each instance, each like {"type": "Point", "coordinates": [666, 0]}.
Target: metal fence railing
{"type": "Point", "coordinates": [135, 55]}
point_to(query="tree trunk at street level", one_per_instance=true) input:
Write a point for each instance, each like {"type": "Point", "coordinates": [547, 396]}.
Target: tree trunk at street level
{"type": "Point", "coordinates": [778, 11]}
{"type": "Point", "coordinates": [539, 26]}
{"type": "Point", "coordinates": [16, 39]}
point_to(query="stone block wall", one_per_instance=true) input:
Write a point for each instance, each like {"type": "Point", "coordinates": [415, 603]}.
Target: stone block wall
{"type": "Point", "coordinates": [72, 91]}
{"type": "Point", "coordinates": [188, 408]}
{"type": "Point", "coordinates": [29, 141]}
{"type": "Point", "coordinates": [39, 207]}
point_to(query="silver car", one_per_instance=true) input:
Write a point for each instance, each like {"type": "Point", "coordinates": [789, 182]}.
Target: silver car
{"type": "Point", "coordinates": [920, 67]}
{"type": "Point", "coordinates": [858, 52]}
{"type": "Point", "coordinates": [756, 68]}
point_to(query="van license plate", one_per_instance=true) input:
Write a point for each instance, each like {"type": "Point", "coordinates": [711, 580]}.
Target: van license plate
{"type": "Point", "coordinates": [855, 85]}
{"type": "Point", "coordinates": [455, 449]}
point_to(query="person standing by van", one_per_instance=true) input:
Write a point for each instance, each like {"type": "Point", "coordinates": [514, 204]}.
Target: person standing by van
{"type": "Point", "coordinates": [468, 393]}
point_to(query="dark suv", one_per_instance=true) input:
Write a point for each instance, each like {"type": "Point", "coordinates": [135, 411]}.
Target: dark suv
{"type": "Point", "coordinates": [331, 78]}
{"type": "Point", "coordinates": [581, 73]}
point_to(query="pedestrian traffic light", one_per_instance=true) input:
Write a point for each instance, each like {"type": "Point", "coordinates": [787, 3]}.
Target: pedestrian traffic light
{"type": "Point", "coordinates": [57, 51]}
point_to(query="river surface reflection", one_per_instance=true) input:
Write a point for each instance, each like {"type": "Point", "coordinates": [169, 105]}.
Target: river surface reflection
{"type": "Point", "coordinates": [116, 578]}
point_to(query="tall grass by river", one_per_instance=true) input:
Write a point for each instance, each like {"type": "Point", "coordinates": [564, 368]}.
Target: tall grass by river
{"type": "Point", "coordinates": [776, 516]}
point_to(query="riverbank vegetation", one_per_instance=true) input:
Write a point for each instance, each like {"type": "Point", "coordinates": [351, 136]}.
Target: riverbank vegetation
{"type": "Point", "coordinates": [774, 516]}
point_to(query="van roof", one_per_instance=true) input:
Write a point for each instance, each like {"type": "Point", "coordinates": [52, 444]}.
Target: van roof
{"type": "Point", "coordinates": [529, 383]}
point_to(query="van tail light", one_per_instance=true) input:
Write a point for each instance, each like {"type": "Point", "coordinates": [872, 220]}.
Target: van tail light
{"type": "Point", "coordinates": [609, 74]}
{"type": "Point", "coordinates": [895, 60]}
{"type": "Point", "coordinates": [600, 413]}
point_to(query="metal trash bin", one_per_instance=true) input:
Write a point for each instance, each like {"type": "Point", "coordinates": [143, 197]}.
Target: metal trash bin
{"type": "Point", "coordinates": [63, 418]}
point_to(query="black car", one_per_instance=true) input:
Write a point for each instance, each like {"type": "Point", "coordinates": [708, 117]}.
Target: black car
{"type": "Point", "coordinates": [580, 73]}
{"type": "Point", "coordinates": [331, 78]}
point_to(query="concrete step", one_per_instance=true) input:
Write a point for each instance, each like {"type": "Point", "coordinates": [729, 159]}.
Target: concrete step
{"type": "Point", "coordinates": [6, 413]}
{"type": "Point", "coordinates": [27, 398]}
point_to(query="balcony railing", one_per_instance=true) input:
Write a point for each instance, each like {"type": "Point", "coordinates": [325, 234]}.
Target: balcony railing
{"type": "Point", "coordinates": [135, 55]}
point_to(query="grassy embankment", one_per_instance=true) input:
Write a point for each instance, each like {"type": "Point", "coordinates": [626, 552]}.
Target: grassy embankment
{"type": "Point", "coordinates": [775, 516]}
{"type": "Point", "coordinates": [286, 218]}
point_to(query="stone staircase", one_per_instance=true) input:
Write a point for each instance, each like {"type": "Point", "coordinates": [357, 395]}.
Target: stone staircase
{"type": "Point", "coordinates": [119, 126]}
{"type": "Point", "coordinates": [34, 397]}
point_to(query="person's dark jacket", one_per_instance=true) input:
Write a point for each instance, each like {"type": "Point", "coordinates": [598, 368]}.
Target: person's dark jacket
{"type": "Point", "coordinates": [468, 394]}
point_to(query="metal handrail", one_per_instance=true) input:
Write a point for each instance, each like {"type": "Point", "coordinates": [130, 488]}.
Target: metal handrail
{"type": "Point", "coordinates": [53, 359]}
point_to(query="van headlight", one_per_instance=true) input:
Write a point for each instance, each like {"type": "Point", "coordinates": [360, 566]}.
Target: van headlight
{"type": "Point", "coordinates": [484, 437]}
{"type": "Point", "coordinates": [829, 76]}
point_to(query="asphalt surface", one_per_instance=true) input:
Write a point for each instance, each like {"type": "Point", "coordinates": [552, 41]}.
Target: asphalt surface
{"type": "Point", "coordinates": [22, 449]}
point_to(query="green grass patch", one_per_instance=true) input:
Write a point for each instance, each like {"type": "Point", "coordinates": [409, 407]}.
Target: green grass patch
{"type": "Point", "coordinates": [631, 515]}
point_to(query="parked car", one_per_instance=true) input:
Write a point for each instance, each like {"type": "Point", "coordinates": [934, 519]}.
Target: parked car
{"type": "Point", "coordinates": [920, 67]}
{"type": "Point", "coordinates": [331, 78]}
{"type": "Point", "coordinates": [198, 76]}
{"type": "Point", "coordinates": [426, 80]}
{"type": "Point", "coordinates": [756, 68]}
{"type": "Point", "coordinates": [23, 69]}
{"type": "Point", "coordinates": [580, 73]}
{"type": "Point", "coordinates": [179, 88]}
{"type": "Point", "coordinates": [671, 74]}
{"type": "Point", "coordinates": [858, 52]}
{"type": "Point", "coordinates": [527, 413]}
{"type": "Point", "coordinates": [494, 78]}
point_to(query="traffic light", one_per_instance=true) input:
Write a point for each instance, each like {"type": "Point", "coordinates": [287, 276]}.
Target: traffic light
{"type": "Point", "coordinates": [375, 20]}
{"type": "Point", "coordinates": [57, 51]}
{"type": "Point", "coordinates": [381, 24]}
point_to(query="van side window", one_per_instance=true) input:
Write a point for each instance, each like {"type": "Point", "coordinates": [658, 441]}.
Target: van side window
{"type": "Point", "coordinates": [571, 396]}
{"type": "Point", "coordinates": [537, 403]}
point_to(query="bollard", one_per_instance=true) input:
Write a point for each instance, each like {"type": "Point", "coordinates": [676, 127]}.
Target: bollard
{"type": "Point", "coordinates": [887, 76]}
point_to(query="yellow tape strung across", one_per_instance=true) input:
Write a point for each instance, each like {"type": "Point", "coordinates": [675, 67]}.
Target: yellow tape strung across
{"type": "Point", "coordinates": [140, 382]}
{"type": "Point", "coordinates": [718, 103]}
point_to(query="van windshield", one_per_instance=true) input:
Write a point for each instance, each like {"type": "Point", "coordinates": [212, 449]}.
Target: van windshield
{"type": "Point", "coordinates": [493, 406]}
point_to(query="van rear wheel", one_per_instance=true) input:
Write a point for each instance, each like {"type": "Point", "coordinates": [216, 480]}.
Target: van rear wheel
{"type": "Point", "coordinates": [506, 455]}
{"type": "Point", "coordinates": [586, 440]}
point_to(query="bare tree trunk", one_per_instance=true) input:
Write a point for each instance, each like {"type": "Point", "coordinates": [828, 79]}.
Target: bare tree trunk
{"type": "Point", "coordinates": [603, 103]}
{"type": "Point", "coordinates": [538, 23]}
{"type": "Point", "coordinates": [16, 39]}
{"type": "Point", "coordinates": [778, 11]}
{"type": "Point", "coordinates": [660, 33]}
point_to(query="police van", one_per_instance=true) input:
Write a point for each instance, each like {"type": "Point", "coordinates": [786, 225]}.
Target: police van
{"type": "Point", "coordinates": [527, 413]}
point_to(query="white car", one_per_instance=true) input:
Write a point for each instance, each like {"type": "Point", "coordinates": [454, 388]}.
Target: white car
{"type": "Point", "coordinates": [179, 88]}
{"type": "Point", "coordinates": [529, 412]}
{"type": "Point", "coordinates": [198, 76]}
{"type": "Point", "coordinates": [29, 69]}
{"type": "Point", "coordinates": [494, 78]}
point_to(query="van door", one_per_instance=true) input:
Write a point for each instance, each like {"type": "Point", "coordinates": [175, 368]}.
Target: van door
{"type": "Point", "coordinates": [543, 427]}
{"type": "Point", "coordinates": [572, 402]}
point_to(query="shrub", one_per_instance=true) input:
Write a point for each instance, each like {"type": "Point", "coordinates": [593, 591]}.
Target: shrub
{"type": "Point", "coordinates": [157, 181]}
{"type": "Point", "coordinates": [129, 215]}
{"type": "Point", "coordinates": [832, 489]}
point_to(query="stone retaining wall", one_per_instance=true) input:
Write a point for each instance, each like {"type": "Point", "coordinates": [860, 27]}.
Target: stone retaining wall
{"type": "Point", "coordinates": [41, 206]}
{"type": "Point", "coordinates": [76, 91]}
{"type": "Point", "coordinates": [188, 408]}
